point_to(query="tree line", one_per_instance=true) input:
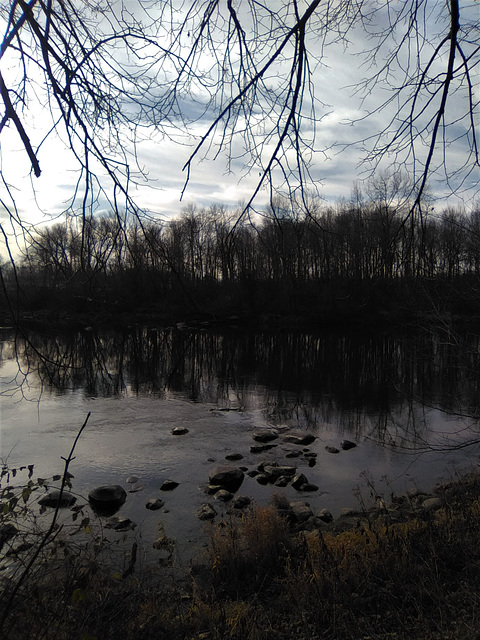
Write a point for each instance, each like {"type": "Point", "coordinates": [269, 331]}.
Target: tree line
{"type": "Point", "coordinates": [368, 254]}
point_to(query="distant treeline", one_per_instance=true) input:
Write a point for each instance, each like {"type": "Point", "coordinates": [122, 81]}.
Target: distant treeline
{"type": "Point", "coordinates": [363, 258]}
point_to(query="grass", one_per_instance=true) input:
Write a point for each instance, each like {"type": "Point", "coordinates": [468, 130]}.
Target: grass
{"type": "Point", "coordinates": [387, 578]}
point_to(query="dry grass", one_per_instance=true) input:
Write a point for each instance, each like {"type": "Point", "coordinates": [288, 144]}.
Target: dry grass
{"type": "Point", "coordinates": [415, 580]}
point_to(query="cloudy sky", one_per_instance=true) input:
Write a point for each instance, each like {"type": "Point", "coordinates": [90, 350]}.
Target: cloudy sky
{"type": "Point", "coordinates": [212, 181]}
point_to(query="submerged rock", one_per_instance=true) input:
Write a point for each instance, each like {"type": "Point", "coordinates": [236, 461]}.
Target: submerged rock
{"type": "Point", "coordinates": [169, 485]}
{"type": "Point", "coordinates": [266, 435]}
{"type": "Point", "coordinates": [233, 456]}
{"type": "Point", "coordinates": [120, 524]}
{"type": "Point", "coordinates": [154, 504]}
{"type": "Point", "coordinates": [179, 431]}
{"type": "Point", "coordinates": [56, 499]}
{"type": "Point", "coordinates": [332, 449]}
{"type": "Point", "coordinates": [299, 438]}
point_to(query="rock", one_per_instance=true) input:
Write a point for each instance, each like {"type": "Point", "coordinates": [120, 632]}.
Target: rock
{"type": "Point", "coordinates": [308, 486]}
{"type": "Point", "coordinates": [282, 481]}
{"type": "Point", "coordinates": [132, 479]}
{"type": "Point", "coordinates": [347, 512]}
{"type": "Point", "coordinates": [223, 495]}
{"type": "Point", "coordinates": [293, 454]}
{"type": "Point", "coordinates": [275, 471]}
{"type": "Point", "coordinates": [120, 524]}
{"type": "Point", "coordinates": [107, 499]}
{"type": "Point", "coordinates": [179, 431]}
{"type": "Point", "coordinates": [325, 515]}
{"type": "Point", "coordinates": [240, 502]}
{"type": "Point", "coordinates": [55, 498]}
{"type": "Point", "coordinates": [206, 512]}
{"type": "Point", "coordinates": [229, 478]}
{"type": "Point", "coordinates": [312, 462]}
{"type": "Point", "coordinates": [154, 504]}
{"type": "Point", "coordinates": [332, 449]}
{"type": "Point", "coordinates": [431, 504]}
{"type": "Point", "coordinates": [298, 481]}
{"type": "Point", "coordinates": [136, 488]}
{"type": "Point", "coordinates": [169, 485]}
{"type": "Point", "coordinates": [265, 435]}
{"type": "Point", "coordinates": [300, 511]}
{"type": "Point", "coordinates": [252, 473]}
{"type": "Point", "coordinates": [233, 456]}
{"type": "Point", "coordinates": [347, 444]}
{"type": "Point", "coordinates": [310, 454]}
{"type": "Point", "coordinates": [262, 478]}
{"type": "Point", "coordinates": [299, 438]}
{"type": "Point", "coordinates": [259, 448]}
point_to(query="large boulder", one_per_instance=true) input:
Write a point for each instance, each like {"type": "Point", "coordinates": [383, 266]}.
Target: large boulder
{"type": "Point", "coordinates": [57, 498]}
{"type": "Point", "coordinates": [225, 477]}
{"type": "Point", "coordinates": [107, 499]}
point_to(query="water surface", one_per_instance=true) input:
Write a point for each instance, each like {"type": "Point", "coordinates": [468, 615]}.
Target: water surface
{"type": "Point", "coordinates": [404, 399]}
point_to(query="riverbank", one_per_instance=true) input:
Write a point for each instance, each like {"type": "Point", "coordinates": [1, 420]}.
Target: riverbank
{"type": "Point", "coordinates": [395, 572]}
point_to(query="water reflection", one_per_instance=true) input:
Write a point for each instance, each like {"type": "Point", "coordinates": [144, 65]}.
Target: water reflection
{"type": "Point", "coordinates": [375, 386]}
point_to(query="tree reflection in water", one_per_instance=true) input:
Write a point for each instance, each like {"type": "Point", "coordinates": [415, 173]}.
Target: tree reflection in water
{"type": "Point", "coordinates": [381, 387]}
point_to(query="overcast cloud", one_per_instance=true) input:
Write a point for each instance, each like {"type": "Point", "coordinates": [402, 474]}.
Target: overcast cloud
{"type": "Point", "coordinates": [211, 182]}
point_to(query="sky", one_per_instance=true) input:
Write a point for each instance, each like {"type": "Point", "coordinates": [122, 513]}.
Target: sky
{"type": "Point", "coordinates": [211, 182]}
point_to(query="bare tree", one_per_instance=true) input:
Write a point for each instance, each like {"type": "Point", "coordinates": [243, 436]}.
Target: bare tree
{"type": "Point", "coordinates": [241, 77]}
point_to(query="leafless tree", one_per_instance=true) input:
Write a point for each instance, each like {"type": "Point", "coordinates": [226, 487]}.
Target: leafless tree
{"type": "Point", "coordinates": [241, 77]}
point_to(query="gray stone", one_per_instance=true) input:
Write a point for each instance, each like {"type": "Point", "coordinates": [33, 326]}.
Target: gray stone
{"type": "Point", "coordinates": [300, 511]}
{"type": "Point", "coordinates": [223, 495]}
{"type": "Point", "coordinates": [206, 512]}
{"type": "Point", "coordinates": [308, 486]}
{"type": "Point", "coordinates": [55, 498]}
{"type": "Point", "coordinates": [179, 431]}
{"type": "Point", "coordinates": [293, 454]}
{"type": "Point", "coordinates": [325, 515]}
{"type": "Point", "coordinates": [431, 504]}
{"type": "Point", "coordinates": [332, 449]}
{"type": "Point", "coordinates": [262, 478]}
{"type": "Point", "coordinates": [107, 499]}
{"type": "Point", "coordinates": [299, 480]}
{"type": "Point", "coordinates": [169, 485]}
{"type": "Point", "coordinates": [154, 504]}
{"type": "Point", "coordinates": [136, 488]}
{"type": "Point", "coordinates": [282, 481]}
{"type": "Point", "coordinates": [132, 479]}
{"type": "Point", "coordinates": [120, 524]}
{"type": "Point", "coordinates": [229, 478]}
{"type": "Point", "coordinates": [275, 471]}
{"type": "Point", "coordinates": [233, 456]}
{"type": "Point", "coordinates": [260, 448]}
{"type": "Point", "coordinates": [266, 435]}
{"type": "Point", "coordinates": [347, 444]}
{"type": "Point", "coordinates": [299, 438]}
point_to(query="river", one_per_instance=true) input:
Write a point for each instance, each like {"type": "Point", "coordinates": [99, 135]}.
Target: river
{"type": "Point", "coordinates": [408, 401]}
